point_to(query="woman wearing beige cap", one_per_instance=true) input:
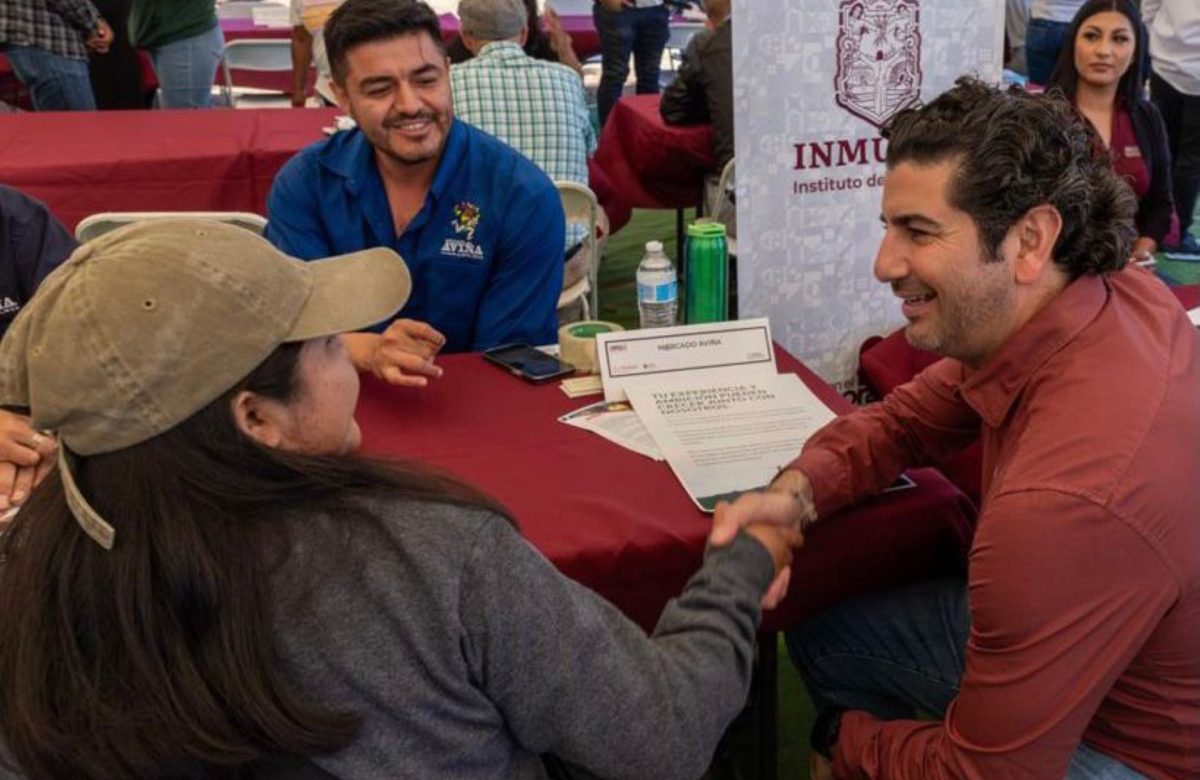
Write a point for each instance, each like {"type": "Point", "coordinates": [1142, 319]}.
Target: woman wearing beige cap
{"type": "Point", "coordinates": [212, 585]}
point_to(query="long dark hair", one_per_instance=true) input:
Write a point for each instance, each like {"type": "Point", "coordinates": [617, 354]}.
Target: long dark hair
{"type": "Point", "coordinates": [1065, 77]}
{"type": "Point", "coordinates": [157, 658]}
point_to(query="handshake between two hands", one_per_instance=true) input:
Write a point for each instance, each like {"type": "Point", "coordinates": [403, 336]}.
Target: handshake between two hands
{"type": "Point", "coordinates": [776, 519]}
{"type": "Point", "coordinates": [404, 354]}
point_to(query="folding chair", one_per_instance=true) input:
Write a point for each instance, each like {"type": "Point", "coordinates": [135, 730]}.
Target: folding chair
{"type": "Point", "coordinates": [579, 203]}
{"type": "Point", "coordinates": [271, 55]}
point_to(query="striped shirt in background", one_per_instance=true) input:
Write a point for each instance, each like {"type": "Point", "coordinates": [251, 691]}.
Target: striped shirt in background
{"type": "Point", "coordinates": [538, 108]}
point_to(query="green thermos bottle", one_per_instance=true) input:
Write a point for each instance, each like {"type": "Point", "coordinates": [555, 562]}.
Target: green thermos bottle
{"type": "Point", "coordinates": [707, 274]}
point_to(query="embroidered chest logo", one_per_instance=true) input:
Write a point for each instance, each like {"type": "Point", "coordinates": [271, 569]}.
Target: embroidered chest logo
{"type": "Point", "coordinates": [465, 222]}
{"type": "Point", "coordinates": [8, 306]}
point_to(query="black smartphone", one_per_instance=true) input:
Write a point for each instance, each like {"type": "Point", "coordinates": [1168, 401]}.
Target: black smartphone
{"type": "Point", "coordinates": [530, 364]}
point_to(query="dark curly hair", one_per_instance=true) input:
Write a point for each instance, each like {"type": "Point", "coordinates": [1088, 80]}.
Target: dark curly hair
{"type": "Point", "coordinates": [1017, 151]}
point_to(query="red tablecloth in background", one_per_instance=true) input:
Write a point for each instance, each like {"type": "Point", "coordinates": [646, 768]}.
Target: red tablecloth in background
{"type": "Point", "coordinates": [1188, 295]}
{"type": "Point", "coordinates": [80, 163]}
{"type": "Point", "coordinates": [642, 162]}
{"type": "Point", "coordinates": [620, 523]}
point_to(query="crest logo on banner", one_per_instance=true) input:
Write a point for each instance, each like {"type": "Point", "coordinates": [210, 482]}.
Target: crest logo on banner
{"type": "Point", "coordinates": [878, 58]}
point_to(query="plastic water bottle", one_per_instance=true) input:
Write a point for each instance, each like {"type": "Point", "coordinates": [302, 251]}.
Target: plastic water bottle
{"type": "Point", "coordinates": [657, 288]}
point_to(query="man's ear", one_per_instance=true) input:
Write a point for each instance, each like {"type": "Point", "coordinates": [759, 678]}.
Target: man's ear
{"type": "Point", "coordinates": [1034, 236]}
{"type": "Point", "coordinates": [261, 419]}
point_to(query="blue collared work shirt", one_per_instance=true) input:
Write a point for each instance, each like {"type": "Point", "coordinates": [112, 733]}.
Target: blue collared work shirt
{"type": "Point", "coordinates": [485, 250]}
{"type": "Point", "coordinates": [32, 244]}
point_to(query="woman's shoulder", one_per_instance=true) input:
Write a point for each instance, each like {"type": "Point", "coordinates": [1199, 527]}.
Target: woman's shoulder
{"type": "Point", "coordinates": [391, 550]}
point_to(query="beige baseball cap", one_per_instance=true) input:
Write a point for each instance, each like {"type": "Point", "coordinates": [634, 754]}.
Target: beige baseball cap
{"type": "Point", "coordinates": [144, 326]}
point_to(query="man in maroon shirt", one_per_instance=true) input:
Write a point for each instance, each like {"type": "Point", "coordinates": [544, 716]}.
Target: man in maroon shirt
{"type": "Point", "coordinates": [1073, 648]}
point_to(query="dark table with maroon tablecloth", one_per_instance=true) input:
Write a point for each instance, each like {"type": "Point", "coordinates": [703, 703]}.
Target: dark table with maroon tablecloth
{"type": "Point", "coordinates": [644, 163]}
{"type": "Point", "coordinates": [81, 163]}
{"type": "Point", "coordinates": [621, 523]}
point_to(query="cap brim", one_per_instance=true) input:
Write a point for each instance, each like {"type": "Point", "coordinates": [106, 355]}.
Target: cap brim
{"type": "Point", "coordinates": [352, 292]}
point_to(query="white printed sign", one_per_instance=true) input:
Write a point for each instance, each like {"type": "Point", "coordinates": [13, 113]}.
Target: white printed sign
{"type": "Point", "coordinates": [653, 355]}
{"type": "Point", "coordinates": [813, 82]}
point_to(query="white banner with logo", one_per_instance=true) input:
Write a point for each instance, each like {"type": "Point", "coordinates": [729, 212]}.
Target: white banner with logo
{"type": "Point", "coordinates": [814, 81]}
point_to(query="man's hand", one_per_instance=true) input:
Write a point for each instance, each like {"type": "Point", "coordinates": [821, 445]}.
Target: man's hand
{"type": "Point", "coordinates": [26, 456]}
{"type": "Point", "coordinates": [785, 504]}
{"type": "Point", "coordinates": [779, 542]}
{"type": "Point", "coordinates": [402, 355]}
{"type": "Point", "coordinates": [795, 483]}
{"type": "Point", "coordinates": [101, 38]}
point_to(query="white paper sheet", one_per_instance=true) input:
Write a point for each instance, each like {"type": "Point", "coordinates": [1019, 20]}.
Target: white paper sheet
{"type": "Point", "coordinates": [728, 435]}
{"type": "Point", "coordinates": [616, 422]}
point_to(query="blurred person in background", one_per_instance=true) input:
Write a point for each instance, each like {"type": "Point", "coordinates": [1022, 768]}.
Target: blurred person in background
{"type": "Point", "coordinates": [1175, 88]}
{"type": "Point", "coordinates": [185, 44]}
{"type": "Point", "coordinates": [47, 45]}
{"type": "Point", "coordinates": [1044, 37]}
{"type": "Point", "coordinates": [1100, 72]}
{"type": "Point", "coordinates": [637, 27]}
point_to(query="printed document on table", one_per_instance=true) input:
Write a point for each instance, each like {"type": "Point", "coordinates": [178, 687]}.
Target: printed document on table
{"type": "Point", "coordinates": [617, 422]}
{"type": "Point", "coordinates": [726, 436]}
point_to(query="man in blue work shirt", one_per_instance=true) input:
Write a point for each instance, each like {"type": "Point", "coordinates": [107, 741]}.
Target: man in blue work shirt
{"type": "Point", "coordinates": [32, 244]}
{"type": "Point", "coordinates": [480, 226]}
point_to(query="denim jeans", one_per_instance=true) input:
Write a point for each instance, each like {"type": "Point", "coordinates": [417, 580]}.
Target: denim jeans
{"type": "Point", "coordinates": [896, 652]}
{"type": "Point", "coordinates": [640, 31]}
{"type": "Point", "coordinates": [1043, 41]}
{"type": "Point", "coordinates": [187, 68]}
{"type": "Point", "coordinates": [55, 83]}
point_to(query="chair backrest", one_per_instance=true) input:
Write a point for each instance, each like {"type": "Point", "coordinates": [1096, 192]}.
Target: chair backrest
{"type": "Point", "coordinates": [579, 204]}
{"type": "Point", "coordinates": [725, 186]}
{"type": "Point", "coordinates": [721, 208]}
{"type": "Point", "coordinates": [262, 54]}
{"type": "Point", "coordinates": [253, 54]}
{"type": "Point", "coordinates": [99, 224]}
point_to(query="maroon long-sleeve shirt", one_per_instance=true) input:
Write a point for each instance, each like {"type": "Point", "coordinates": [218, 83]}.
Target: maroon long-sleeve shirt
{"type": "Point", "coordinates": [1084, 576]}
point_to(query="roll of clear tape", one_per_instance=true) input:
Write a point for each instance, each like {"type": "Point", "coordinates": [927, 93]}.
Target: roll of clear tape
{"type": "Point", "coordinates": [577, 342]}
